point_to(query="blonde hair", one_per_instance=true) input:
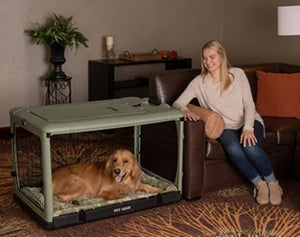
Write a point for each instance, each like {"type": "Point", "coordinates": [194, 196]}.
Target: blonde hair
{"type": "Point", "coordinates": [225, 76]}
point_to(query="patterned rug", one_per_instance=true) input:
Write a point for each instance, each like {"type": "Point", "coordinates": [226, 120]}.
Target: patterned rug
{"type": "Point", "coordinates": [229, 212]}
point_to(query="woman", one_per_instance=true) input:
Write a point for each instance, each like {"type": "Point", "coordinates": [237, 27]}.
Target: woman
{"type": "Point", "coordinates": [225, 89]}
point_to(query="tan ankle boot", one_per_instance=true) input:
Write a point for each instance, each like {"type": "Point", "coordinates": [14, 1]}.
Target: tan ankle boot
{"type": "Point", "coordinates": [275, 192]}
{"type": "Point", "coordinates": [261, 192]}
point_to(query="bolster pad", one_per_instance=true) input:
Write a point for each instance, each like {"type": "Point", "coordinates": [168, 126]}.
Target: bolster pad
{"type": "Point", "coordinates": [214, 122]}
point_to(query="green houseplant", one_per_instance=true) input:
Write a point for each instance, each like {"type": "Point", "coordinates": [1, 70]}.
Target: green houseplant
{"type": "Point", "coordinates": [58, 33]}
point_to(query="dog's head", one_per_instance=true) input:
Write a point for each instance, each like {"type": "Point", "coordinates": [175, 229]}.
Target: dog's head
{"type": "Point", "coordinates": [123, 165]}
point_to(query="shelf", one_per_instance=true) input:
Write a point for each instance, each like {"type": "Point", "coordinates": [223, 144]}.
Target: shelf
{"type": "Point", "coordinates": [136, 82]}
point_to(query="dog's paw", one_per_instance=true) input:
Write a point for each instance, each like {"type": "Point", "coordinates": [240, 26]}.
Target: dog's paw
{"type": "Point", "coordinates": [156, 190]}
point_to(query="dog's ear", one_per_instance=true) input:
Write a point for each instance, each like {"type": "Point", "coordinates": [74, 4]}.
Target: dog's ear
{"type": "Point", "coordinates": [108, 165]}
{"type": "Point", "coordinates": [136, 171]}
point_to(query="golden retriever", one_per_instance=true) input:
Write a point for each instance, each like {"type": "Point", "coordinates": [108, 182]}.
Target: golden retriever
{"type": "Point", "coordinates": [120, 175]}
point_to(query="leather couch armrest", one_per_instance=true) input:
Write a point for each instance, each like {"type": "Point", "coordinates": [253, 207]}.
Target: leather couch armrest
{"type": "Point", "coordinates": [194, 156]}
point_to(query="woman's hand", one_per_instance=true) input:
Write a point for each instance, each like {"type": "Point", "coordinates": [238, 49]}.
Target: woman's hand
{"type": "Point", "coordinates": [190, 116]}
{"type": "Point", "coordinates": [249, 138]}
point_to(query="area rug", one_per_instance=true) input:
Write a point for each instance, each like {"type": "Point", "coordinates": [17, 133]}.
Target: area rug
{"type": "Point", "coordinates": [228, 212]}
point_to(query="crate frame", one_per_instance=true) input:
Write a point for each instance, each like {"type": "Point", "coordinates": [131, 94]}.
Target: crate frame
{"type": "Point", "coordinates": [44, 124]}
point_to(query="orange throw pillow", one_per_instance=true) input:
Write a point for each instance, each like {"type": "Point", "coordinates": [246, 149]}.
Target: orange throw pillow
{"type": "Point", "coordinates": [278, 94]}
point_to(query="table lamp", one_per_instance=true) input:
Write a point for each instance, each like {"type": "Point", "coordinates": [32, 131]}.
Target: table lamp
{"type": "Point", "coordinates": [288, 20]}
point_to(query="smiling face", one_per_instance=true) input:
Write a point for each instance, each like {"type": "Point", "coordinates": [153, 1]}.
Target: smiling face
{"type": "Point", "coordinates": [211, 60]}
{"type": "Point", "coordinates": [122, 165]}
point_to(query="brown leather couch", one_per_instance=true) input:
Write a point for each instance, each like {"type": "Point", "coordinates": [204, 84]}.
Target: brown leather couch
{"type": "Point", "coordinates": [206, 166]}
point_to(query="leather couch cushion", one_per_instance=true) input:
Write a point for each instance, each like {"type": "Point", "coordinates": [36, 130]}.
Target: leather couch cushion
{"type": "Point", "coordinates": [278, 94]}
{"type": "Point", "coordinates": [283, 128]}
{"type": "Point", "coordinates": [270, 141]}
{"type": "Point", "coordinates": [214, 150]}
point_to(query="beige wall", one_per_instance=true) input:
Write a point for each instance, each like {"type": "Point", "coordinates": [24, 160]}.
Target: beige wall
{"type": "Point", "coordinates": [247, 28]}
{"type": "Point", "coordinates": [138, 26]}
{"type": "Point", "coordinates": [250, 32]}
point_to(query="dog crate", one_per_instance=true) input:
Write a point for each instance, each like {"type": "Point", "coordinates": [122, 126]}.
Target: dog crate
{"type": "Point", "coordinates": [47, 137]}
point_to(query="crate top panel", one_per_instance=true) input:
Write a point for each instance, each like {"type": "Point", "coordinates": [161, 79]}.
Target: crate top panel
{"type": "Point", "coordinates": [93, 115]}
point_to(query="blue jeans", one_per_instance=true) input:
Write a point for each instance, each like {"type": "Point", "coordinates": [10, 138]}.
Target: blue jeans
{"type": "Point", "coordinates": [251, 161]}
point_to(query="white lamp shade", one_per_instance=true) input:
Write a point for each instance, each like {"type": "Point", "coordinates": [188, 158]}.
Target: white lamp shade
{"type": "Point", "coordinates": [288, 20]}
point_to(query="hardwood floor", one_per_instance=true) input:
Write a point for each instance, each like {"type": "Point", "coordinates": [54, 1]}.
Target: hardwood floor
{"type": "Point", "coordinates": [228, 212]}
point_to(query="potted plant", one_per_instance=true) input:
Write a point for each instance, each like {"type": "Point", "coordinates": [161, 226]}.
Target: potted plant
{"type": "Point", "coordinates": [59, 32]}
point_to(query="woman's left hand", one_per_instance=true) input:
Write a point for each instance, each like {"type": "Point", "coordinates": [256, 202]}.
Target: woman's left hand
{"type": "Point", "coordinates": [249, 138]}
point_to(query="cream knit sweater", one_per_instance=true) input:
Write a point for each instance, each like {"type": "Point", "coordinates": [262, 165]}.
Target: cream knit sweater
{"type": "Point", "coordinates": [235, 104]}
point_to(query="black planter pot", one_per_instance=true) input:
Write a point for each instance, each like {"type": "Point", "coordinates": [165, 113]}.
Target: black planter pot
{"type": "Point", "coordinates": [57, 59]}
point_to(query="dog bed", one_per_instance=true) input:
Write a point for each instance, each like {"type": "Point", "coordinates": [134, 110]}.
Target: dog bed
{"type": "Point", "coordinates": [88, 203]}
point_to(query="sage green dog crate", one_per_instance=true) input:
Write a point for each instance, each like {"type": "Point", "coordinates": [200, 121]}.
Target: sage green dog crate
{"type": "Point", "coordinates": [34, 160]}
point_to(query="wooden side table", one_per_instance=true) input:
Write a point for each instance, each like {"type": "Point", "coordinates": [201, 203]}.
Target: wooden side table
{"type": "Point", "coordinates": [102, 84]}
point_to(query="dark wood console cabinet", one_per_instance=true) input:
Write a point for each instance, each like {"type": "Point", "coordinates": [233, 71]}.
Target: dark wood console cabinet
{"type": "Point", "coordinates": [102, 84]}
